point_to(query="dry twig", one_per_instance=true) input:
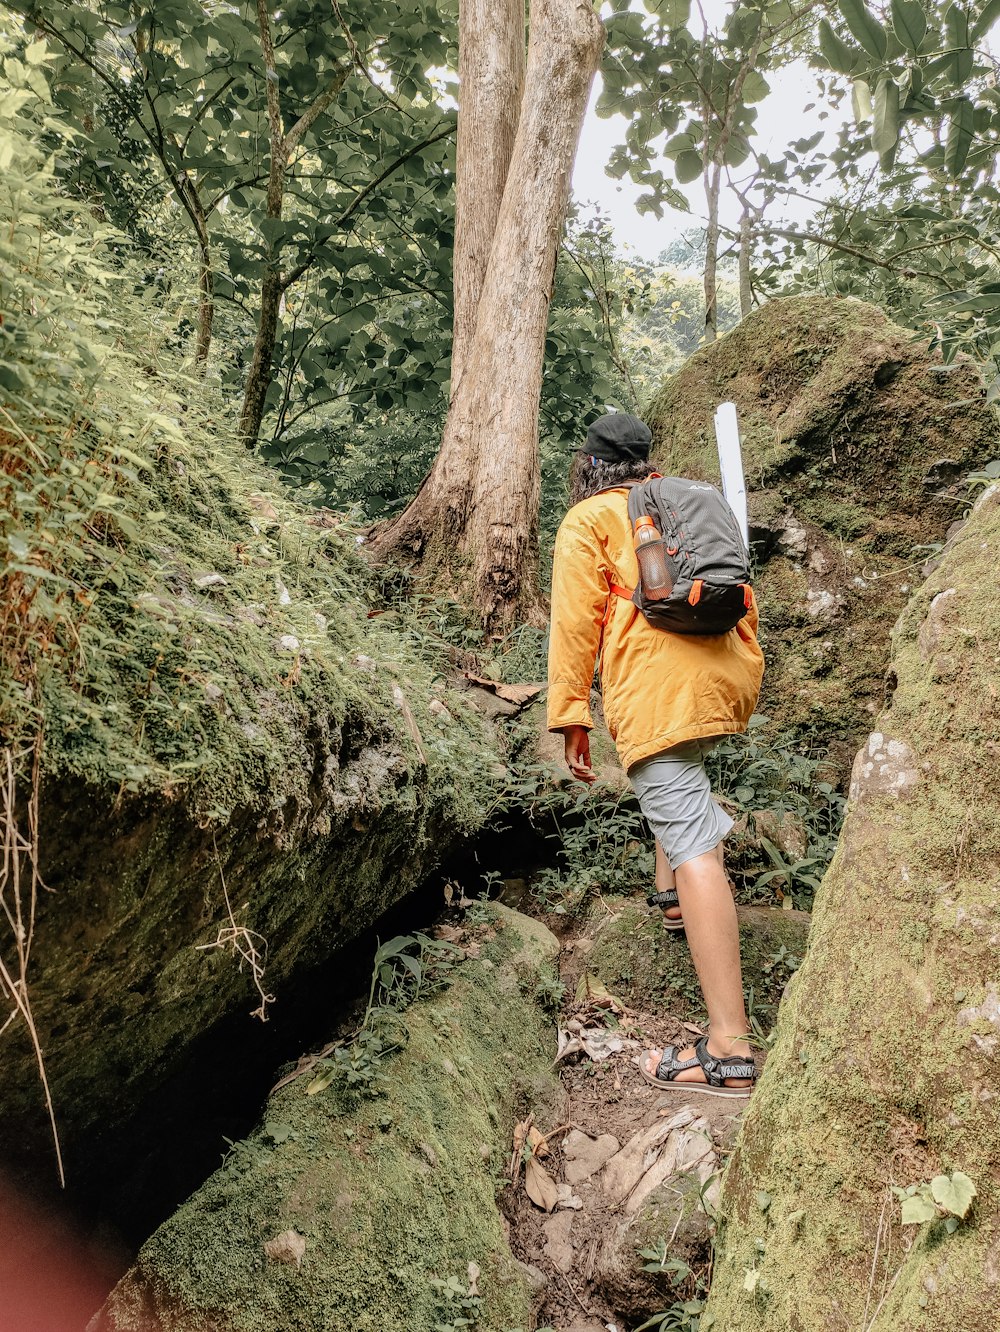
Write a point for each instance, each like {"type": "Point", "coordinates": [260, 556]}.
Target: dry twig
{"type": "Point", "coordinates": [249, 946]}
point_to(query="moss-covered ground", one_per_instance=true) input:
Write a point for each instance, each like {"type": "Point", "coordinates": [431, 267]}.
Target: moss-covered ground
{"type": "Point", "coordinates": [884, 1071]}
{"type": "Point", "coordinates": [390, 1197]}
{"type": "Point", "coordinates": [651, 969]}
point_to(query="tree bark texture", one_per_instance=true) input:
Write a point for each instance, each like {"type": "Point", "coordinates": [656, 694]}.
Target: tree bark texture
{"type": "Point", "coordinates": [746, 283]}
{"type": "Point", "coordinates": [491, 81]}
{"type": "Point", "coordinates": [884, 1070]}
{"type": "Point", "coordinates": [479, 504]}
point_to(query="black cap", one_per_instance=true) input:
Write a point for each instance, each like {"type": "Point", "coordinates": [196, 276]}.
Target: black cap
{"type": "Point", "coordinates": [619, 437]}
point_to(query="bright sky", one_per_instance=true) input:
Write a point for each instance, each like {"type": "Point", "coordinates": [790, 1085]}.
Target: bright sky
{"type": "Point", "coordinates": [780, 118]}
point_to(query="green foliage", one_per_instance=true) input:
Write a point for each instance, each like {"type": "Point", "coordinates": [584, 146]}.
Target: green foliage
{"type": "Point", "coordinates": [946, 1198]}
{"type": "Point", "coordinates": [457, 1307]}
{"type": "Point", "coordinates": [550, 991]}
{"type": "Point", "coordinates": [918, 236]}
{"type": "Point", "coordinates": [174, 124]}
{"type": "Point", "coordinates": [667, 326]}
{"type": "Point", "coordinates": [684, 1315]}
{"type": "Point", "coordinates": [603, 847]}
{"type": "Point", "coordinates": [172, 623]}
{"type": "Point", "coordinates": [778, 775]}
{"type": "Point", "coordinates": [405, 969]}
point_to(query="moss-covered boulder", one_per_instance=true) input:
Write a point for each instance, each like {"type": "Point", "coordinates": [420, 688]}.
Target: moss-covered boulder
{"type": "Point", "coordinates": [649, 968]}
{"type": "Point", "coordinates": [384, 1215]}
{"type": "Point", "coordinates": [855, 440]}
{"type": "Point", "coordinates": [883, 1076]}
{"type": "Point", "coordinates": [239, 773]}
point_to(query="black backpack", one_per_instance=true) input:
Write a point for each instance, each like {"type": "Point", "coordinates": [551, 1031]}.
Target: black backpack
{"type": "Point", "coordinates": [703, 545]}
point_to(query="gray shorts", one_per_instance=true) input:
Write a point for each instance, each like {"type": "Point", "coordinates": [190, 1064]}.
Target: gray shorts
{"type": "Point", "coordinates": [676, 799]}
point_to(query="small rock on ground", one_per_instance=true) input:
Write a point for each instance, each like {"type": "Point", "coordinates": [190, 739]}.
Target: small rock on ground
{"type": "Point", "coordinates": [583, 1155]}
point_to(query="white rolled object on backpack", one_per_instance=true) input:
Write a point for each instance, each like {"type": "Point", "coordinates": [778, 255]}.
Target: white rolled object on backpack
{"type": "Point", "coordinates": [734, 487]}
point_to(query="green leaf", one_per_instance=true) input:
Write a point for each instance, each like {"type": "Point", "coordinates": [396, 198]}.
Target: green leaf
{"type": "Point", "coordinates": [961, 128]}
{"type": "Point", "coordinates": [688, 167]}
{"type": "Point", "coordinates": [861, 101]}
{"type": "Point", "coordinates": [837, 54]}
{"type": "Point", "coordinates": [35, 53]}
{"type": "Point", "coordinates": [987, 17]}
{"type": "Point", "coordinates": [960, 55]}
{"type": "Point", "coordinates": [954, 1193]}
{"type": "Point", "coordinates": [885, 126]}
{"type": "Point", "coordinates": [320, 1082]}
{"type": "Point", "coordinates": [393, 948]}
{"type": "Point", "coordinates": [865, 27]}
{"type": "Point", "coordinates": [909, 23]}
{"type": "Point", "coordinates": [755, 87]}
{"type": "Point", "coordinates": [671, 13]}
{"type": "Point", "coordinates": [916, 1210]}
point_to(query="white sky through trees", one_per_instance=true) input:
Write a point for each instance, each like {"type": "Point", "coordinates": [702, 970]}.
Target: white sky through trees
{"type": "Point", "coordinates": [781, 118]}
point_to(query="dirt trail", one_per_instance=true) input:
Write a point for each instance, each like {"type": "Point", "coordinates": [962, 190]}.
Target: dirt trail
{"type": "Point", "coordinates": [624, 1166]}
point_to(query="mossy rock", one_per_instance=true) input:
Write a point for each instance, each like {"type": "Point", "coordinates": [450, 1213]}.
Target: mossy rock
{"type": "Point", "coordinates": [855, 440]}
{"type": "Point", "coordinates": [883, 1074]}
{"type": "Point", "coordinates": [651, 969]}
{"type": "Point", "coordinates": [257, 735]}
{"type": "Point", "coordinates": [376, 1203]}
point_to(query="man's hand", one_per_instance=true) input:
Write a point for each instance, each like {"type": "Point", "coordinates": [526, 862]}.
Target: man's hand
{"type": "Point", "coordinates": [577, 740]}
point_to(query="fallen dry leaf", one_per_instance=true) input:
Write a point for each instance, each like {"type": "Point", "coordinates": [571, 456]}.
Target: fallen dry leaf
{"type": "Point", "coordinates": [510, 693]}
{"type": "Point", "coordinates": [538, 1144]}
{"type": "Point", "coordinates": [566, 1044]}
{"type": "Point", "coordinates": [596, 1043]}
{"type": "Point", "coordinates": [264, 507]}
{"type": "Point", "coordinates": [449, 933]}
{"type": "Point", "coordinates": [593, 992]}
{"type": "Point", "coordinates": [287, 1248]}
{"type": "Point", "coordinates": [539, 1185]}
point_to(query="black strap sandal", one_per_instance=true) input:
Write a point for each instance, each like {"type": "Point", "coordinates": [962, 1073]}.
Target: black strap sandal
{"type": "Point", "coordinates": [664, 900]}
{"type": "Point", "coordinates": [716, 1070]}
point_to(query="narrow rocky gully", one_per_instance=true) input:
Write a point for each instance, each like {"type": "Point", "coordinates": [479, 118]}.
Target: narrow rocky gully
{"type": "Point", "coordinates": [612, 1184]}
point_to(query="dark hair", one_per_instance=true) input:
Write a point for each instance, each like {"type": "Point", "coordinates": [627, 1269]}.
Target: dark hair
{"type": "Point", "coordinates": [586, 478]}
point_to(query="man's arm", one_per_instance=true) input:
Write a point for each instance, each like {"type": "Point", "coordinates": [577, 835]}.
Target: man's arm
{"type": "Point", "coordinates": [580, 594]}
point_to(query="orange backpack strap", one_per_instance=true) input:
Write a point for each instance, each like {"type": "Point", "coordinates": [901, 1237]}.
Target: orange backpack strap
{"type": "Point", "coordinates": [620, 591]}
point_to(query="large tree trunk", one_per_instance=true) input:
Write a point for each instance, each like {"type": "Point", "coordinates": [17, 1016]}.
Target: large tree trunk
{"type": "Point", "coordinates": [884, 1071]}
{"type": "Point", "coordinates": [479, 504]}
{"type": "Point", "coordinates": [491, 81]}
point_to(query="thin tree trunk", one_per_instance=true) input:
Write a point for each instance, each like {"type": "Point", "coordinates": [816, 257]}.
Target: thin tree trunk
{"type": "Point", "coordinates": [273, 286]}
{"type": "Point", "coordinates": [206, 300]}
{"type": "Point", "coordinates": [713, 188]}
{"type": "Point", "coordinates": [491, 47]}
{"type": "Point", "coordinates": [746, 288]}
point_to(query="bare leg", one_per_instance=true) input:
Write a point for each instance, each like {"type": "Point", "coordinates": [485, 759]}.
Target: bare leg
{"type": "Point", "coordinates": [665, 880]}
{"type": "Point", "coordinates": [713, 937]}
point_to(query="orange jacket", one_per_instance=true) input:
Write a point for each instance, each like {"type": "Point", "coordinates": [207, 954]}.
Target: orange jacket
{"type": "Point", "coordinates": [659, 689]}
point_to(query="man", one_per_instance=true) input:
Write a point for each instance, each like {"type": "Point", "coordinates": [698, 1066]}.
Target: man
{"type": "Point", "coordinates": [667, 697]}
